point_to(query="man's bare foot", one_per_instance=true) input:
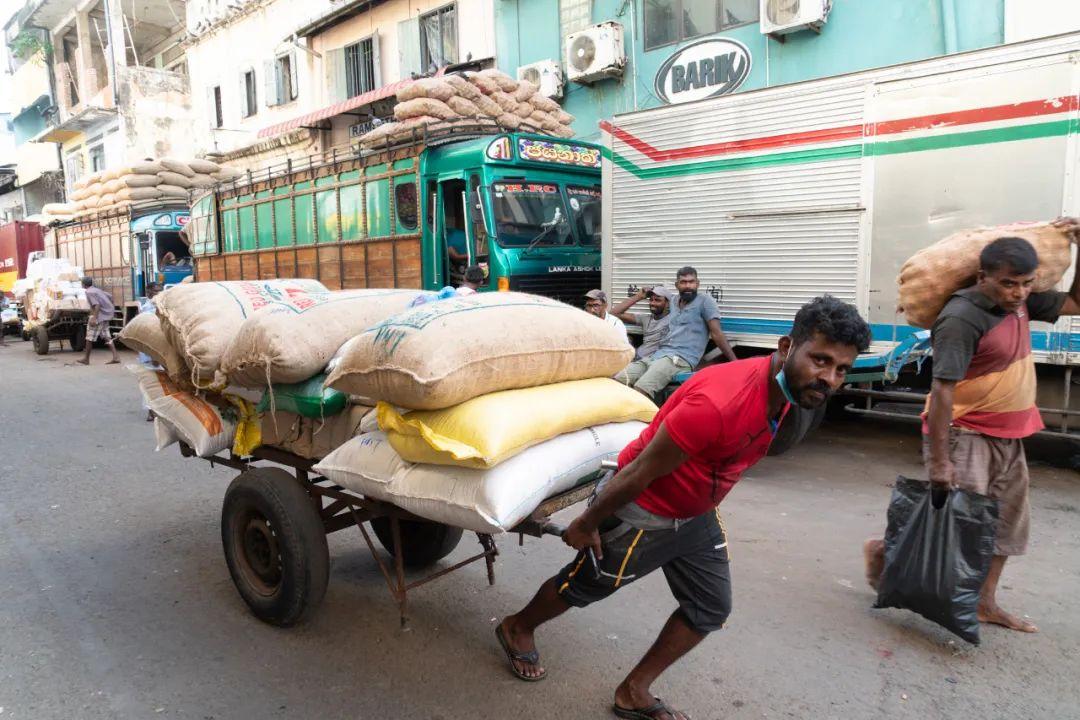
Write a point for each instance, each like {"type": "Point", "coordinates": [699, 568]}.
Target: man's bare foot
{"type": "Point", "coordinates": [521, 643]}
{"type": "Point", "coordinates": [113, 362]}
{"type": "Point", "coordinates": [83, 362]}
{"type": "Point", "coordinates": [634, 702]}
{"type": "Point", "coordinates": [874, 559]}
{"type": "Point", "coordinates": [994, 615]}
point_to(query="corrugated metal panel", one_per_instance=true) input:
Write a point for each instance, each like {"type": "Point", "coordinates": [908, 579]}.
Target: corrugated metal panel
{"type": "Point", "coordinates": [770, 237]}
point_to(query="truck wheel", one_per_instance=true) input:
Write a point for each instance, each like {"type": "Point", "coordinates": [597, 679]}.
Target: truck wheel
{"type": "Point", "coordinates": [78, 338]}
{"type": "Point", "coordinates": [797, 423]}
{"type": "Point", "coordinates": [275, 545]}
{"type": "Point", "coordinates": [41, 340]}
{"type": "Point", "coordinates": [424, 543]}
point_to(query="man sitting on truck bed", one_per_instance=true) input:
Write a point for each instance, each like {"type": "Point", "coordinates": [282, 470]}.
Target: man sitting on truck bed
{"type": "Point", "coordinates": [97, 325]}
{"type": "Point", "coordinates": [982, 400]}
{"type": "Point", "coordinates": [660, 509]}
{"type": "Point", "coordinates": [695, 319]}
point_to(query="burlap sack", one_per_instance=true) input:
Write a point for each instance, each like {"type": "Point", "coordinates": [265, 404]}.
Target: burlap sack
{"type": "Point", "coordinates": [412, 129]}
{"type": "Point", "coordinates": [463, 87]}
{"type": "Point", "coordinates": [483, 83]}
{"type": "Point", "coordinates": [563, 131]}
{"type": "Point", "coordinates": [227, 173]}
{"type": "Point", "coordinates": [542, 102]}
{"type": "Point", "coordinates": [138, 194]}
{"type": "Point", "coordinates": [509, 121]}
{"type": "Point", "coordinates": [204, 167]}
{"type": "Point", "coordinates": [548, 123]}
{"type": "Point", "coordinates": [436, 88]}
{"type": "Point", "coordinates": [930, 277]}
{"type": "Point", "coordinates": [144, 334]}
{"type": "Point", "coordinates": [289, 344]}
{"type": "Point", "coordinates": [112, 186]}
{"type": "Point", "coordinates": [57, 209]}
{"type": "Point", "coordinates": [176, 166]}
{"type": "Point", "coordinates": [525, 91]}
{"type": "Point", "coordinates": [309, 437]}
{"type": "Point", "coordinates": [202, 181]}
{"type": "Point", "coordinates": [167, 177]}
{"type": "Point", "coordinates": [506, 83]}
{"type": "Point", "coordinates": [524, 110]}
{"type": "Point", "coordinates": [562, 116]}
{"type": "Point", "coordinates": [424, 106]}
{"type": "Point", "coordinates": [506, 101]}
{"type": "Point", "coordinates": [201, 319]}
{"type": "Point", "coordinates": [136, 180]}
{"type": "Point", "coordinates": [463, 107]}
{"type": "Point", "coordinates": [106, 199]}
{"type": "Point", "coordinates": [107, 175]}
{"type": "Point", "coordinates": [488, 106]}
{"type": "Point", "coordinates": [172, 191]}
{"type": "Point", "coordinates": [446, 352]}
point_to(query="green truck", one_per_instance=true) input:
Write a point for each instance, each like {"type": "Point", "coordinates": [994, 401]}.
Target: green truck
{"type": "Point", "coordinates": [525, 207]}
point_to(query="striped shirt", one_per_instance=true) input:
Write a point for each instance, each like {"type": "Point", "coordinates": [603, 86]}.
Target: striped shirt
{"type": "Point", "coordinates": [987, 351]}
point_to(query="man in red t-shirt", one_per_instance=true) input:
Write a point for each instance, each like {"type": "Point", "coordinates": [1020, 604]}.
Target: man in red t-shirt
{"type": "Point", "coordinates": [660, 509]}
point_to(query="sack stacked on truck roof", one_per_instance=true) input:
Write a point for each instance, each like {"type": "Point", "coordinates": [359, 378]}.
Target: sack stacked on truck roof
{"type": "Point", "coordinates": [487, 98]}
{"type": "Point", "coordinates": [201, 319]}
{"type": "Point", "coordinates": [930, 277]}
{"type": "Point", "coordinates": [290, 342]}
{"type": "Point", "coordinates": [444, 353]}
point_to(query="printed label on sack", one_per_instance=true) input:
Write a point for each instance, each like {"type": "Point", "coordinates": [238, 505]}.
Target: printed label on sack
{"type": "Point", "coordinates": [203, 412]}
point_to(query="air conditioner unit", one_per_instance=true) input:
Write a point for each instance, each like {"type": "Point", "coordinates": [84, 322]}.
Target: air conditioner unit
{"type": "Point", "coordinates": [595, 53]}
{"type": "Point", "coordinates": [546, 75]}
{"type": "Point", "coordinates": [779, 17]}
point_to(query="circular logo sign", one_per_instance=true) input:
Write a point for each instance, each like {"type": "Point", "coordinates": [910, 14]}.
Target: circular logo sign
{"type": "Point", "coordinates": [703, 69]}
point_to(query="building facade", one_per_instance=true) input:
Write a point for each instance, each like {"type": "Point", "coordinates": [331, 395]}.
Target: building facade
{"type": "Point", "coordinates": [663, 38]}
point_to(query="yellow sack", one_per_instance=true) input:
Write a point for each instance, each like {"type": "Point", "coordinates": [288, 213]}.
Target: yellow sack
{"type": "Point", "coordinates": [248, 428]}
{"type": "Point", "coordinates": [484, 431]}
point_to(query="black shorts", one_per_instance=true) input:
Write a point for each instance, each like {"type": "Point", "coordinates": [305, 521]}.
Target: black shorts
{"type": "Point", "coordinates": [694, 559]}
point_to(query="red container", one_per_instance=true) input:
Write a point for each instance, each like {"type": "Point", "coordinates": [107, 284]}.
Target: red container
{"type": "Point", "coordinates": [17, 240]}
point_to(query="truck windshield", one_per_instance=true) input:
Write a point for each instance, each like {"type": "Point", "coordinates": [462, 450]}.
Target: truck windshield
{"type": "Point", "coordinates": [585, 212]}
{"type": "Point", "coordinates": [527, 213]}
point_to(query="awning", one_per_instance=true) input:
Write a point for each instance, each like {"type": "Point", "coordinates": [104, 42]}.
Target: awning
{"type": "Point", "coordinates": [336, 109]}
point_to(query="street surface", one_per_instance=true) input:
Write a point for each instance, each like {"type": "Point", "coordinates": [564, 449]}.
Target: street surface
{"type": "Point", "coordinates": [115, 601]}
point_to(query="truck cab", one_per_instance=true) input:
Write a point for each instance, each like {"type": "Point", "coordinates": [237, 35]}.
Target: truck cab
{"type": "Point", "coordinates": [158, 251]}
{"type": "Point", "coordinates": [526, 207]}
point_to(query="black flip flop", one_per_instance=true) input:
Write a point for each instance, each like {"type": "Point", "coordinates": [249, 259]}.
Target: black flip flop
{"type": "Point", "coordinates": [651, 712]}
{"type": "Point", "coordinates": [530, 658]}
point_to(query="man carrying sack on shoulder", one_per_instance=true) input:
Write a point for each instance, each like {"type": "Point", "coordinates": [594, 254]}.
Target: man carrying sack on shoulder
{"type": "Point", "coordinates": [982, 400]}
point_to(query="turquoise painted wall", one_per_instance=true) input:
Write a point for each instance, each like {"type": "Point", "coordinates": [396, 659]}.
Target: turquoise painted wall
{"type": "Point", "coordinates": [859, 35]}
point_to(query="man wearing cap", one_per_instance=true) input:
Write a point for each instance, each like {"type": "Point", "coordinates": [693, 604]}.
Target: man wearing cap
{"type": "Point", "coordinates": [596, 304]}
{"type": "Point", "coordinates": [654, 326]}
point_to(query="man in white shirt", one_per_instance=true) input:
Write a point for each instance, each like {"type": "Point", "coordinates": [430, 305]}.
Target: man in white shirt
{"type": "Point", "coordinates": [596, 304]}
{"type": "Point", "coordinates": [474, 278]}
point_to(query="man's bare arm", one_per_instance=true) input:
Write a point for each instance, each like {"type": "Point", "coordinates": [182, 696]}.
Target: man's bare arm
{"type": "Point", "coordinates": [718, 337]}
{"type": "Point", "coordinates": [939, 421]}
{"type": "Point", "coordinates": [660, 457]}
{"type": "Point", "coordinates": [620, 310]}
{"type": "Point", "coordinates": [1071, 226]}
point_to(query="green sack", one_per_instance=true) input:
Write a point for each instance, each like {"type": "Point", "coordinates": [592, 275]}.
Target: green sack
{"type": "Point", "coordinates": [307, 398]}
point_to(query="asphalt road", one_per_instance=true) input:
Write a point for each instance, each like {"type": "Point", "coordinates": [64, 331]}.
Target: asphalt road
{"type": "Point", "coordinates": [115, 601]}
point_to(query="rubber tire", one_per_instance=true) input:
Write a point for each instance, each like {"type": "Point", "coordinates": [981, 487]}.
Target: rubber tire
{"type": "Point", "coordinates": [795, 426]}
{"type": "Point", "coordinates": [40, 339]}
{"type": "Point", "coordinates": [26, 332]}
{"type": "Point", "coordinates": [281, 500]}
{"type": "Point", "coordinates": [78, 338]}
{"type": "Point", "coordinates": [425, 543]}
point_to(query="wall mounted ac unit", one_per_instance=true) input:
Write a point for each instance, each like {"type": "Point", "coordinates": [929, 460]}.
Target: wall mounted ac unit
{"type": "Point", "coordinates": [546, 75]}
{"type": "Point", "coordinates": [779, 17]}
{"type": "Point", "coordinates": [595, 53]}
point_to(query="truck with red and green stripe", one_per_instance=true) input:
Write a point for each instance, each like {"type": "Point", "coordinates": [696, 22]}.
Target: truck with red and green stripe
{"type": "Point", "coordinates": [827, 186]}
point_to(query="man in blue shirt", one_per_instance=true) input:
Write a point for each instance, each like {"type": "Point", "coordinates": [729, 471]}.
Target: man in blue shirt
{"type": "Point", "coordinates": [694, 320]}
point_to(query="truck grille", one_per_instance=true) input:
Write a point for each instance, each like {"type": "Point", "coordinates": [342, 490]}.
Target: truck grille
{"type": "Point", "coordinates": [567, 287]}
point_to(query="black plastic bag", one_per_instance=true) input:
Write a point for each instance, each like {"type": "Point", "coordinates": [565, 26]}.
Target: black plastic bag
{"type": "Point", "coordinates": [938, 548]}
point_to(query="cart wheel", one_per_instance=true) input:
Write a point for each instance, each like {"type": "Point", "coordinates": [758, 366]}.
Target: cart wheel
{"type": "Point", "coordinates": [41, 340]}
{"type": "Point", "coordinates": [26, 333]}
{"type": "Point", "coordinates": [78, 338]}
{"type": "Point", "coordinates": [275, 545]}
{"type": "Point", "coordinates": [425, 543]}
{"type": "Point", "coordinates": [796, 425]}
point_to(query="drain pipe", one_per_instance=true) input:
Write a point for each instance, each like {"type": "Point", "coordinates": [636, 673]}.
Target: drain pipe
{"type": "Point", "coordinates": [949, 27]}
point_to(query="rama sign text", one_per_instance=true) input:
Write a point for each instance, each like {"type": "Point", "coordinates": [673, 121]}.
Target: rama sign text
{"type": "Point", "coordinates": [703, 69]}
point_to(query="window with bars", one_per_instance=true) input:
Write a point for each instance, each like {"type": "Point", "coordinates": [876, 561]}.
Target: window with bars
{"type": "Point", "coordinates": [360, 67]}
{"type": "Point", "coordinates": [438, 38]}
{"type": "Point", "coordinates": [672, 21]}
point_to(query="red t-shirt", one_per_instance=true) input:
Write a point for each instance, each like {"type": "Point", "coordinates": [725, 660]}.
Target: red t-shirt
{"type": "Point", "coordinates": [720, 419]}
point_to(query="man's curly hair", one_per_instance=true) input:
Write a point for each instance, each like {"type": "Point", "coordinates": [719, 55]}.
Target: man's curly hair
{"type": "Point", "coordinates": [836, 320]}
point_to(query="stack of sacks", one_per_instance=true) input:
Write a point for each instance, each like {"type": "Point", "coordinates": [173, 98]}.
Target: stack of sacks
{"type": "Point", "coordinates": [115, 190]}
{"type": "Point", "coordinates": [509, 400]}
{"type": "Point", "coordinates": [488, 98]}
{"type": "Point", "coordinates": [930, 277]}
{"type": "Point", "coordinates": [51, 284]}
